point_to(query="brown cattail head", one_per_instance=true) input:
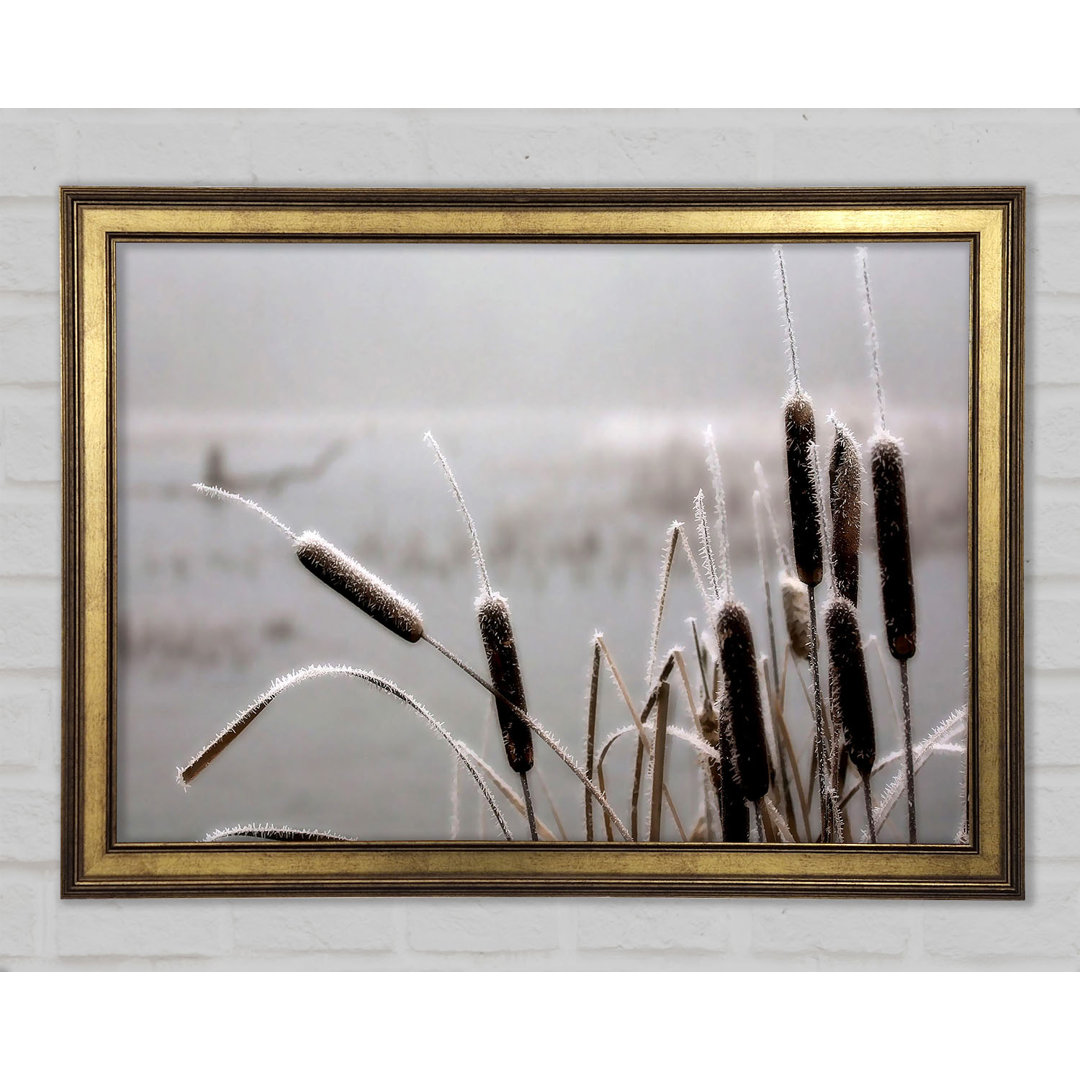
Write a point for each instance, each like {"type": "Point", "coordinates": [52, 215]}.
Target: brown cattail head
{"type": "Point", "coordinates": [802, 486]}
{"type": "Point", "coordinates": [734, 813]}
{"type": "Point", "coordinates": [796, 602]}
{"type": "Point", "coordinates": [845, 506]}
{"type": "Point", "coordinates": [739, 664]}
{"type": "Point", "coordinates": [849, 692]}
{"type": "Point", "coordinates": [360, 587]}
{"type": "Point", "coordinates": [893, 543]}
{"type": "Point", "coordinates": [493, 614]}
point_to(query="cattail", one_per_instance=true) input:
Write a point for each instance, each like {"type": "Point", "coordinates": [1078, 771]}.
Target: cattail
{"type": "Point", "coordinates": [715, 728]}
{"type": "Point", "coordinates": [802, 486]}
{"type": "Point", "coordinates": [359, 586]}
{"type": "Point", "coordinates": [893, 543]}
{"type": "Point", "coordinates": [343, 574]}
{"type": "Point", "coordinates": [849, 691]}
{"type": "Point", "coordinates": [806, 535]}
{"type": "Point", "coordinates": [734, 812]}
{"type": "Point", "coordinates": [796, 603]}
{"type": "Point", "coordinates": [845, 505]}
{"type": "Point", "coordinates": [497, 635]}
{"type": "Point", "coordinates": [738, 661]}
{"type": "Point", "coordinates": [493, 614]}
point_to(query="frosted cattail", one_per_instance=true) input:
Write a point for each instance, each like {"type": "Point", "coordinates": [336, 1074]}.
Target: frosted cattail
{"type": "Point", "coordinates": [738, 660]}
{"type": "Point", "coordinates": [343, 574]}
{"type": "Point", "coordinates": [796, 603]}
{"type": "Point", "coordinates": [359, 586]}
{"type": "Point", "coordinates": [734, 813]}
{"type": "Point", "coordinates": [845, 506]}
{"type": "Point", "coordinates": [802, 486]}
{"type": "Point", "coordinates": [497, 635]}
{"type": "Point", "coordinates": [493, 614]}
{"type": "Point", "coordinates": [893, 543]}
{"type": "Point", "coordinates": [849, 691]}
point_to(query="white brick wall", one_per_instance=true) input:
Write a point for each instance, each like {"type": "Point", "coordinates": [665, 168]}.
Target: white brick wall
{"type": "Point", "coordinates": [41, 150]}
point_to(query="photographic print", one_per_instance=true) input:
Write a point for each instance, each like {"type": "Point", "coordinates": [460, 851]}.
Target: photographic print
{"type": "Point", "coordinates": [592, 544]}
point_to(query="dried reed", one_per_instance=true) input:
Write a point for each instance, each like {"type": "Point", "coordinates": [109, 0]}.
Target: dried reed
{"type": "Point", "coordinates": [209, 752]}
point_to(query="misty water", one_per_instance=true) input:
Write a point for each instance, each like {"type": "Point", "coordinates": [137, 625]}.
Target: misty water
{"type": "Point", "coordinates": [572, 509]}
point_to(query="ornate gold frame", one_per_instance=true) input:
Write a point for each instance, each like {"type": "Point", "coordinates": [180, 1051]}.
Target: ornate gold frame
{"type": "Point", "coordinates": [95, 220]}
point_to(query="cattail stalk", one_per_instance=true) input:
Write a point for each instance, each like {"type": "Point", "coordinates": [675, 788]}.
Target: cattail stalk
{"type": "Point", "coordinates": [775, 690]}
{"type": "Point", "coordinates": [500, 648]}
{"type": "Point", "coordinates": [224, 738]}
{"type": "Point", "coordinates": [759, 824]}
{"type": "Point", "coordinates": [792, 590]}
{"type": "Point", "coordinates": [757, 501]}
{"type": "Point", "coordinates": [953, 724]}
{"type": "Point", "coordinates": [657, 807]}
{"type": "Point", "coordinates": [670, 543]}
{"type": "Point", "coordinates": [538, 729]}
{"type": "Point", "coordinates": [590, 737]}
{"type": "Point", "coordinates": [280, 834]}
{"type": "Point", "coordinates": [821, 748]}
{"type": "Point", "coordinates": [894, 545]}
{"type": "Point", "coordinates": [708, 559]}
{"type": "Point", "coordinates": [639, 720]}
{"type": "Point", "coordinates": [704, 747]}
{"type": "Point", "coordinates": [806, 532]}
{"type": "Point", "coordinates": [777, 821]}
{"type": "Point", "coordinates": [713, 463]}
{"type": "Point", "coordinates": [897, 580]}
{"type": "Point", "coordinates": [869, 806]}
{"type": "Point", "coordinates": [785, 736]}
{"type": "Point", "coordinates": [806, 544]}
{"type": "Point", "coordinates": [909, 758]}
{"type": "Point", "coordinates": [507, 792]}
{"type": "Point", "coordinates": [635, 791]}
{"type": "Point", "coordinates": [777, 749]}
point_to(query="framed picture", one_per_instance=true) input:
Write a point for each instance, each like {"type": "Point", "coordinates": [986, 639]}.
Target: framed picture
{"type": "Point", "coordinates": [554, 541]}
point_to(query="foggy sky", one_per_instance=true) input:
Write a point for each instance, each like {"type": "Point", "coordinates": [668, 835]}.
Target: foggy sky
{"type": "Point", "coordinates": [309, 327]}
